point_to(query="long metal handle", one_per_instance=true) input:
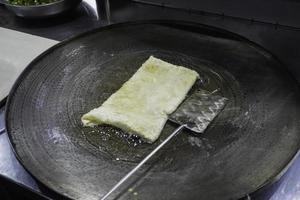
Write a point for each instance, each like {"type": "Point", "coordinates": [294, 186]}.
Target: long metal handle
{"type": "Point", "coordinates": [2, 130]}
{"type": "Point", "coordinates": [143, 162]}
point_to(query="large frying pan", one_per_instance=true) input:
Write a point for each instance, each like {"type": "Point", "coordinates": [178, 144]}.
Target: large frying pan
{"type": "Point", "coordinates": [248, 145]}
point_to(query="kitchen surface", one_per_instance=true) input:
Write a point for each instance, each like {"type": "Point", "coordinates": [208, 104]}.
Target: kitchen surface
{"type": "Point", "coordinates": [21, 40]}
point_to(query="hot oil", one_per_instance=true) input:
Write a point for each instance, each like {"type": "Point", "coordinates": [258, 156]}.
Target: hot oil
{"type": "Point", "coordinates": [117, 144]}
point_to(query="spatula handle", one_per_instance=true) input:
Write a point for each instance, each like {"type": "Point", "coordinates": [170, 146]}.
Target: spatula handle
{"type": "Point", "coordinates": [127, 176]}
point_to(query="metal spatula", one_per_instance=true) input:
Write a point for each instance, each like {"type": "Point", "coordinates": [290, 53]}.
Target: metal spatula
{"type": "Point", "coordinates": [195, 113]}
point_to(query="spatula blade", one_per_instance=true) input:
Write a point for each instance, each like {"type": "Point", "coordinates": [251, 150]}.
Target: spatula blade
{"type": "Point", "coordinates": [198, 110]}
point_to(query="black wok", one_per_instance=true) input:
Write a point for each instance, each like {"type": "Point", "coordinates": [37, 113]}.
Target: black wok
{"type": "Point", "coordinates": [247, 146]}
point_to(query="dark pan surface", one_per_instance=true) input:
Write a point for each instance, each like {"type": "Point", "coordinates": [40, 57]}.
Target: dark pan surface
{"type": "Point", "coordinates": [246, 146]}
